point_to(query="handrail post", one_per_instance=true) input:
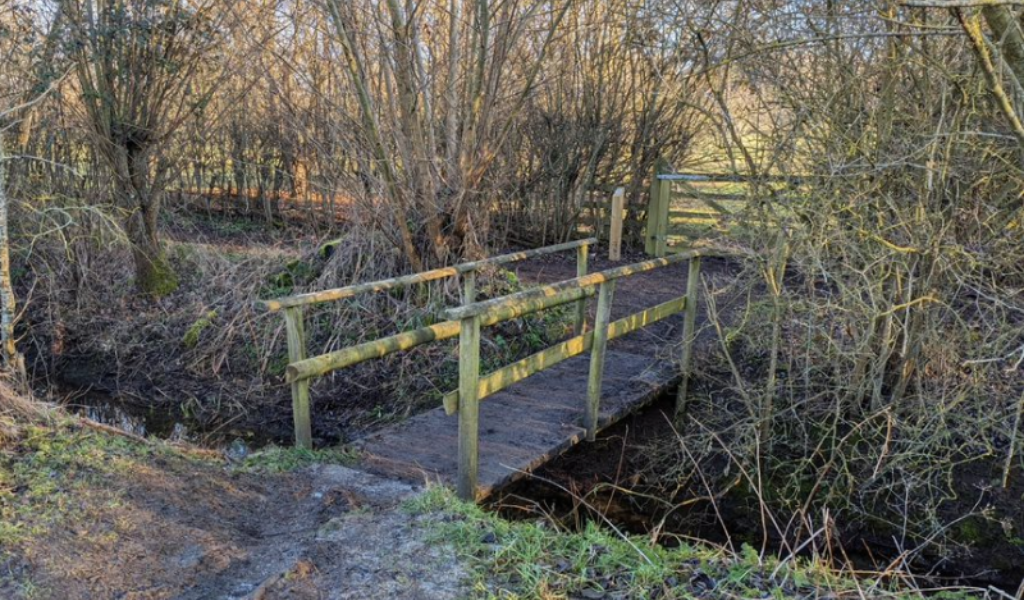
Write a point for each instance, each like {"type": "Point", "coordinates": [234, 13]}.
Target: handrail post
{"type": "Point", "coordinates": [650, 235]}
{"type": "Point", "coordinates": [582, 254]}
{"type": "Point", "coordinates": [469, 287]}
{"type": "Point", "coordinates": [300, 388]}
{"type": "Point", "coordinates": [615, 226]}
{"type": "Point", "coordinates": [469, 407]}
{"type": "Point", "coordinates": [604, 312]}
{"type": "Point", "coordinates": [689, 322]}
{"type": "Point", "coordinates": [664, 214]}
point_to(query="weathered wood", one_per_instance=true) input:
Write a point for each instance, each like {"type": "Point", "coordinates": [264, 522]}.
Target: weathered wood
{"type": "Point", "coordinates": [469, 407]}
{"type": "Point", "coordinates": [664, 204]}
{"type": "Point", "coordinates": [318, 365]}
{"type": "Point", "coordinates": [653, 213]}
{"type": "Point", "coordinates": [522, 427]}
{"type": "Point", "coordinates": [728, 177]}
{"type": "Point", "coordinates": [597, 352]}
{"type": "Point", "coordinates": [615, 231]}
{"type": "Point", "coordinates": [582, 254]}
{"type": "Point", "coordinates": [689, 324]}
{"type": "Point", "coordinates": [405, 280]}
{"type": "Point", "coordinates": [469, 287]}
{"type": "Point", "coordinates": [325, 363]}
{"type": "Point", "coordinates": [500, 379]}
{"type": "Point", "coordinates": [300, 389]}
{"type": "Point", "coordinates": [486, 306]}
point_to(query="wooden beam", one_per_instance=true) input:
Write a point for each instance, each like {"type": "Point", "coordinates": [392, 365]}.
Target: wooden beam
{"type": "Point", "coordinates": [469, 407]}
{"type": "Point", "coordinates": [325, 363]}
{"type": "Point", "coordinates": [300, 389]}
{"type": "Point", "coordinates": [582, 254]}
{"type": "Point", "coordinates": [480, 308]}
{"type": "Point", "coordinates": [405, 280]}
{"type": "Point", "coordinates": [653, 214]}
{"type": "Point", "coordinates": [664, 204]}
{"type": "Point", "coordinates": [468, 287]}
{"type": "Point", "coordinates": [689, 324]}
{"type": "Point", "coordinates": [495, 381]}
{"type": "Point", "coordinates": [615, 231]}
{"type": "Point", "coordinates": [597, 352]}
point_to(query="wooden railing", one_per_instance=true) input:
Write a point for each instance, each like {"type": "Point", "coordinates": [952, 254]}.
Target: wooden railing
{"type": "Point", "coordinates": [473, 388]}
{"type": "Point", "coordinates": [466, 322]}
{"type": "Point", "coordinates": [302, 369]}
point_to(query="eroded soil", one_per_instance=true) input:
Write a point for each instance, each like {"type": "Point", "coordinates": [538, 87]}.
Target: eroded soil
{"type": "Point", "coordinates": [159, 525]}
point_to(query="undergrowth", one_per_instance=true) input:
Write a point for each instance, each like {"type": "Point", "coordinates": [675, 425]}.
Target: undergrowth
{"type": "Point", "coordinates": [527, 560]}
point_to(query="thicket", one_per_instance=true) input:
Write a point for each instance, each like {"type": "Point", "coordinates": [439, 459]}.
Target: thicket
{"type": "Point", "coordinates": [877, 346]}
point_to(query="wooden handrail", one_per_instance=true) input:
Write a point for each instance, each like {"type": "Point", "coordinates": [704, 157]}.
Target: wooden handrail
{"type": "Point", "coordinates": [483, 307]}
{"type": "Point", "coordinates": [325, 363]}
{"type": "Point", "coordinates": [396, 282]}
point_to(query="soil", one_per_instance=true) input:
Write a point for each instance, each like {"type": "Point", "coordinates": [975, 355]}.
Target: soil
{"type": "Point", "coordinates": [179, 528]}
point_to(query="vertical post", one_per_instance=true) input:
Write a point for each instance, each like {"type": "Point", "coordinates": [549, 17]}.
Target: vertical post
{"type": "Point", "coordinates": [469, 407]}
{"type": "Point", "coordinates": [664, 206]}
{"type": "Point", "coordinates": [582, 255]}
{"type": "Point", "coordinates": [653, 214]}
{"type": "Point", "coordinates": [300, 388]}
{"type": "Point", "coordinates": [689, 321]}
{"type": "Point", "coordinates": [615, 229]}
{"type": "Point", "coordinates": [468, 287]}
{"type": "Point", "coordinates": [597, 352]}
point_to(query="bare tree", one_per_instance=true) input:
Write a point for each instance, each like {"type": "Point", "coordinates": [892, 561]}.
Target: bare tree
{"type": "Point", "coordinates": [139, 65]}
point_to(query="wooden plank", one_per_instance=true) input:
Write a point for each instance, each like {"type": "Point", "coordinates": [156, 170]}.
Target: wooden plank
{"type": "Point", "coordinates": [615, 232]}
{"type": "Point", "coordinates": [469, 407]}
{"type": "Point", "coordinates": [296, 336]}
{"type": "Point", "coordinates": [405, 280]}
{"type": "Point", "coordinates": [597, 353]}
{"type": "Point", "coordinates": [520, 428]}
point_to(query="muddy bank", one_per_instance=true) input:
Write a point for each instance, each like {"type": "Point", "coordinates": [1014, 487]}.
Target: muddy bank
{"type": "Point", "coordinates": [610, 481]}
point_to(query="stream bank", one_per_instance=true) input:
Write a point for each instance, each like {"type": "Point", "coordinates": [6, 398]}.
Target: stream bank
{"type": "Point", "coordinates": [609, 482]}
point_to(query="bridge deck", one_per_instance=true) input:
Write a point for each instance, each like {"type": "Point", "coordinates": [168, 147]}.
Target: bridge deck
{"type": "Point", "coordinates": [540, 417]}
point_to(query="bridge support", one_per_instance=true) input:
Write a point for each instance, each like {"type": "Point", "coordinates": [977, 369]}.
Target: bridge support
{"type": "Point", "coordinates": [469, 407]}
{"type": "Point", "coordinates": [689, 323]}
{"type": "Point", "coordinates": [295, 332]}
{"type": "Point", "coordinates": [582, 253]}
{"type": "Point", "coordinates": [597, 352]}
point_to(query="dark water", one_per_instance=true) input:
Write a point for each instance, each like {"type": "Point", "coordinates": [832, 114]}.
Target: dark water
{"type": "Point", "coordinates": [164, 421]}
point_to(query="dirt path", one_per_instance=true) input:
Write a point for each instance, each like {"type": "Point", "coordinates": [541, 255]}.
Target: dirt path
{"type": "Point", "coordinates": [89, 517]}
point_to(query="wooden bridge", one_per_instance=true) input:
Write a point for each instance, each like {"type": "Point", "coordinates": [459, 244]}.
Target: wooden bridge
{"type": "Point", "coordinates": [536, 407]}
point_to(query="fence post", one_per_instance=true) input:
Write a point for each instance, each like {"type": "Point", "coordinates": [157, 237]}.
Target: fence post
{"type": "Point", "coordinates": [582, 255]}
{"type": "Point", "coordinates": [615, 228]}
{"type": "Point", "coordinates": [653, 213]}
{"type": "Point", "coordinates": [300, 389]}
{"type": "Point", "coordinates": [689, 322]}
{"type": "Point", "coordinates": [664, 214]}
{"type": "Point", "coordinates": [469, 407]}
{"type": "Point", "coordinates": [604, 311]}
{"type": "Point", "coordinates": [468, 287]}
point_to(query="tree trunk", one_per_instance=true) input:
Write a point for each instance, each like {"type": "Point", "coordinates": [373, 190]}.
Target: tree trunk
{"type": "Point", "coordinates": [12, 359]}
{"type": "Point", "coordinates": [153, 274]}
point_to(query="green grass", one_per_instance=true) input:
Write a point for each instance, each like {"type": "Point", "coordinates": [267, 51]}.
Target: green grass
{"type": "Point", "coordinates": [43, 476]}
{"type": "Point", "coordinates": [533, 560]}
